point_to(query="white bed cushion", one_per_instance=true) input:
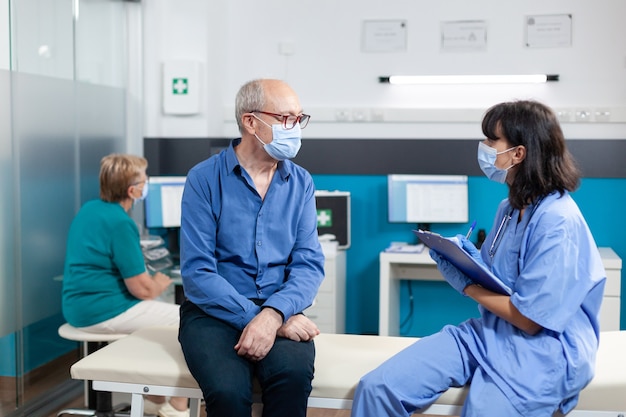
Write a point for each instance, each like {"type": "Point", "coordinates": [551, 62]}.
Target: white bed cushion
{"type": "Point", "coordinates": [153, 357]}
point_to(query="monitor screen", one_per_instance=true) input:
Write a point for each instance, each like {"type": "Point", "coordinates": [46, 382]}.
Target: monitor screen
{"type": "Point", "coordinates": [427, 198]}
{"type": "Point", "coordinates": [162, 205]}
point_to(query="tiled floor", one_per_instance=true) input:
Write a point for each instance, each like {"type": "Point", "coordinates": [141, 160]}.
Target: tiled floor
{"type": "Point", "coordinates": [36, 382]}
{"type": "Point", "coordinates": [312, 412]}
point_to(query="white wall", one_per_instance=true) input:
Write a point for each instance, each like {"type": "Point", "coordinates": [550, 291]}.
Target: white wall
{"type": "Point", "coordinates": [185, 30]}
{"type": "Point", "coordinates": [240, 40]}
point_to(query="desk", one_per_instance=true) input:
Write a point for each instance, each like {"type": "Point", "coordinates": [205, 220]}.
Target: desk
{"type": "Point", "coordinates": [395, 267]}
{"type": "Point", "coordinates": [175, 292]}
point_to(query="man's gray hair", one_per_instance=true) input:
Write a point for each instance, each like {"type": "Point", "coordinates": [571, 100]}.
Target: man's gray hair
{"type": "Point", "coordinates": [251, 96]}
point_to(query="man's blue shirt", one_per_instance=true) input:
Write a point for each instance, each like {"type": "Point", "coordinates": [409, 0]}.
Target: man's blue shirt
{"type": "Point", "coordinates": [238, 250]}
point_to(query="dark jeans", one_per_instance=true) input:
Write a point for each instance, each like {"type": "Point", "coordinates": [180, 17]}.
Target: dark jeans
{"type": "Point", "coordinates": [225, 378]}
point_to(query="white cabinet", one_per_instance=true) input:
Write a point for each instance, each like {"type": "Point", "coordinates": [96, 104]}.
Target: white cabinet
{"type": "Point", "coordinates": [329, 308]}
{"type": "Point", "coordinates": [610, 310]}
{"type": "Point", "coordinates": [419, 266]}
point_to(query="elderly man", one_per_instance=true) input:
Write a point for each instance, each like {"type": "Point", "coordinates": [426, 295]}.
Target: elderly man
{"type": "Point", "coordinates": [251, 262]}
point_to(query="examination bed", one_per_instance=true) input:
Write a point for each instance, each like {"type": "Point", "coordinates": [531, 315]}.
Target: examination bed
{"type": "Point", "coordinates": [150, 361]}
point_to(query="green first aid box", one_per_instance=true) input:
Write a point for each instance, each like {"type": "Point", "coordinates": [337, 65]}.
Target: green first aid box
{"type": "Point", "coordinates": [333, 215]}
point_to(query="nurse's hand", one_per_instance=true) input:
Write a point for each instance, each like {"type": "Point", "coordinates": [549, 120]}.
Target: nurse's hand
{"type": "Point", "coordinates": [471, 249]}
{"type": "Point", "coordinates": [457, 279]}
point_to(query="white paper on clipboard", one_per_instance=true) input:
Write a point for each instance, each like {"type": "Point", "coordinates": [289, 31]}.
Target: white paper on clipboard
{"type": "Point", "coordinates": [458, 257]}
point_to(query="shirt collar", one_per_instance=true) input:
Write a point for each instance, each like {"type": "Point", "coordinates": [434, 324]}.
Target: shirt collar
{"type": "Point", "coordinates": [231, 157]}
{"type": "Point", "coordinates": [283, 168]}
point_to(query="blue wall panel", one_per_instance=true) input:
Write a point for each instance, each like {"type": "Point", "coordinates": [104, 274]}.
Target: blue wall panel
{"type": "Point", "coordinates": [602, 201]}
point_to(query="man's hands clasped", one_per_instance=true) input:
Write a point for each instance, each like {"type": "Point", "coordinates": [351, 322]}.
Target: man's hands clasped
{"type": "Point", "coordinates": [258, 337]}
{"type": "Point", "coordinates": [299, 328]}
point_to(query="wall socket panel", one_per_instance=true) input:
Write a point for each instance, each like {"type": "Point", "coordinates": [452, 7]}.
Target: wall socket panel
{"type": "Point", "coordinates": [449, 115]}
{"type": "Point", "coordinates": [592, 115]}
{"type": "Point", "coordinates": [395, 115]}
{"type": "Point", "coordinates": [358, 115]}
{"type": "Point", "coordinates": [579, 115]}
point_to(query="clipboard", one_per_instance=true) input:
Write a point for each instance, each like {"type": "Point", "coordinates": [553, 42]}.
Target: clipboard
{"type": "Point", "coordinates": [458, 257]}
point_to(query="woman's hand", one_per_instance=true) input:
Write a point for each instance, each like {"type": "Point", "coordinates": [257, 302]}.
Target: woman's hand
{"type": "Point", "coordinates": [471, 249]}
{"type": "Point", "coordinates": [146, 287]}
{"type": "Point", "coordinates": [457, 279]}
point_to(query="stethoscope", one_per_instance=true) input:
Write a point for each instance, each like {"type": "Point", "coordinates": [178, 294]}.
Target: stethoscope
{"type": "Point", "coordinates": [503, 225]}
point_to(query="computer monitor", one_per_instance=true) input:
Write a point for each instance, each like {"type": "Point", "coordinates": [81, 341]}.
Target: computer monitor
{"type": "Point", "coordinates": [162, 205]}
{"type": "Point", "coordinates": [426, 199]}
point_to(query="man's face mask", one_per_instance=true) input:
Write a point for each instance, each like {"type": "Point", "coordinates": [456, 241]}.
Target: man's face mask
{"type": "Point", "coordinates": [285, 143]}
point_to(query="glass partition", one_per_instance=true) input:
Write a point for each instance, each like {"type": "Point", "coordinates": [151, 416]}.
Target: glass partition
{"type": "Point", "coordinates": [62, 108]}
{"type": "Point", "coordinates": [43, 37]}
{"type": "Point", "coordinates": [101, 37]}
{"type": "Point", "coordinates": [8, 290]}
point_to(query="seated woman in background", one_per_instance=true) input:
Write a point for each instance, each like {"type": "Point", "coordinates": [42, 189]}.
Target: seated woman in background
{"type": "Point", "coordinates": [106, 287]}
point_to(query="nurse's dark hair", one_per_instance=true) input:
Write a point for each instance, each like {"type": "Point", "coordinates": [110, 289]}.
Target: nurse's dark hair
{"type": "Point", "coordinates": [548, 165]}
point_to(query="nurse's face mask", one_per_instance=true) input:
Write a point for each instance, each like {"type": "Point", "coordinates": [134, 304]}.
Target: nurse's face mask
{"type": "Point", "coordinates": [487, 161]}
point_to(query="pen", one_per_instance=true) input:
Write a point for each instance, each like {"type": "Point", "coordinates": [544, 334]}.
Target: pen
{"type": "Point", "coordinates": [471, 229]}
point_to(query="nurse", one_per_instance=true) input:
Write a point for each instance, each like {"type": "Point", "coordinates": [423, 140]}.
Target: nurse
{"type": "Point", "coordinates": [530, 353]}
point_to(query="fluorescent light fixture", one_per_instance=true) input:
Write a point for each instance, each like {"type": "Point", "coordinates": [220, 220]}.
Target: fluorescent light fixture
{"type": "Point", "coordinates": [468, 79]}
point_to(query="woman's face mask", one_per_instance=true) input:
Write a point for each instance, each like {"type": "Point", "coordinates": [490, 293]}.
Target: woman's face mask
{"type": "Point", "coordinates": [487, 161]}
{"type": "Point", "coordinates": [144, 192]}
{"type": "Point", "coordinates": [285, 143]}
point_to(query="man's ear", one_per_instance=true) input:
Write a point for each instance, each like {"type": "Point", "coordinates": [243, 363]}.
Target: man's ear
{"type": "Point", "coordinates": [248, 123]}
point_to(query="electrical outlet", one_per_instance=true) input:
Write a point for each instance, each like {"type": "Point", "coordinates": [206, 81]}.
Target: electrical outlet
{"type": "Point", "coordinates": [377, 115]}
{"type": "Point", "coordinates": [582, 115]}
{"type": "Point", "coordinates": [286, 48]}
{"type": "Point", "coordinates": [564, 115]}
{"type": "Point", "coordinates": [342, 115]}
{"type": "Point", "coordinates": [359, 115]}
{"type": "Point", "coordinates": [602, 115]}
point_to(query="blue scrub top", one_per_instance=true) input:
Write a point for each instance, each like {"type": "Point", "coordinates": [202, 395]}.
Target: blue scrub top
{"type": "Point", "coordinates": [550, 260]}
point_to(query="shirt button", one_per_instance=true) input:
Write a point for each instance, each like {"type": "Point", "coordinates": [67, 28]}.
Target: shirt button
{"type": "Point", "coordinates": [258, 243]}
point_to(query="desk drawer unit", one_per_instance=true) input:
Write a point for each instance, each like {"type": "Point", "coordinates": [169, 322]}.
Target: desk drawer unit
{"type": "Point", "coordinates": [611, 303]}
{"type": "Point", "coordinates": [329, 308]}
